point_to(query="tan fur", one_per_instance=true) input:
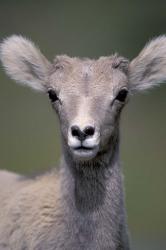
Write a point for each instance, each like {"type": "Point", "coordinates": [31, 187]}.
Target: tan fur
{"type": "Point", "coordinates": [24, 62]}
{"type": "Point", "coordinates": [8, 184]}
{"type": "Point", "coordinates": [149, 68]}
{"type": "Point", "coordinates": [82, 205]}
{"type": "Point", "coordinates": [30, 199]}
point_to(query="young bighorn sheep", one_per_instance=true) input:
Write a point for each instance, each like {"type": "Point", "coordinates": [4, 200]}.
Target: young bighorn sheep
{"type": "Point", "coordinates": [80, 206]}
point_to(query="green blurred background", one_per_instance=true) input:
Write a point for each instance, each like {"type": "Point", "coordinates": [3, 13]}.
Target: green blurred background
{"type": "Point", "coordinates": [29, 137]}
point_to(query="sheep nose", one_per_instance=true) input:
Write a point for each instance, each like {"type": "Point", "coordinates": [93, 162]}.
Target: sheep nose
{"type": "Point", "coordinates": [88, 131]}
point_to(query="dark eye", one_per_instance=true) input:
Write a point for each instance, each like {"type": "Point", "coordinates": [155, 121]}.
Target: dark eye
{"type": "Point", "coordinates": [121, 96]}
{"type": "Point", "coordinates": [52, 95]}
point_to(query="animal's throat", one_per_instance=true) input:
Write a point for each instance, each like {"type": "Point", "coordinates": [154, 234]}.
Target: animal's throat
{"type": "Point", "coordinates": [90, 190]}
{"type": "Point", "coordinates": [89, 181]}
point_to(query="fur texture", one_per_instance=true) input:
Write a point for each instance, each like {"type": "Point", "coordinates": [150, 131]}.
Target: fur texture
{"type": "Point", "coordinates": [24, 62]}
{"type": "Point", "coordinates": [149, 68]}
{"type": "Point", "coordinates": [81, 205]}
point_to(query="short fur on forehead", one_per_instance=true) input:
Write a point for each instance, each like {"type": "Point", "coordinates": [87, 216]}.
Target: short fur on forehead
{"type": "Point", "coordinates": [113, 61]}
{"type": "Point", "coordinates": [25, 63]}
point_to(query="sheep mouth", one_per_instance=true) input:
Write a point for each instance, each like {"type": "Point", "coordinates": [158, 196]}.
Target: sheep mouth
{"type": "Point", "coordinates": [84, 153]}
{"type": "Point", "coordinates": [84, 148]}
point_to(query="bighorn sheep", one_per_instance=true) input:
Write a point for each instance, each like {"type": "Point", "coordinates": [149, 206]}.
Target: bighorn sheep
{"type": "Point", "coordinates": [80, 206]}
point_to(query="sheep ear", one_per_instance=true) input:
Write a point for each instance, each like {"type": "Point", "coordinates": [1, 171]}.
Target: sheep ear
{"type": "Point", "coordinates": [24, 62]}
{"type": "Point", "coordinates": [149, 68]}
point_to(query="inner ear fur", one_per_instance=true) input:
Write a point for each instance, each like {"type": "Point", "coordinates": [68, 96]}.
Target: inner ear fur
{"type": "Point", "coordinates": [24, 62]}
{"type": "Point", "coordinates": [149, 68]}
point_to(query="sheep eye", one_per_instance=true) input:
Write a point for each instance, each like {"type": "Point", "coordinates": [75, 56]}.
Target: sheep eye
{"type": "Point", "coordinates": [52, 95]}
{"type": "Point", "coordinates": [121, 96]}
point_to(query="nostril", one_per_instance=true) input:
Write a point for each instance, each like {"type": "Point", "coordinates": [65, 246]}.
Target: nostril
{"type": "Point", "coordinates": [82, 134]}
{"type": "Point", "coordinates": [89, 131]}
{"type": "Point", "coordinates": [75, 131]}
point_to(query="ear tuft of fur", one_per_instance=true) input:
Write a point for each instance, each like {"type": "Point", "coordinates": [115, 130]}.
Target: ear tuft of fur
{"type": "Point", "coordinates": [149, 68]}
{"type": "Point", "coordinates": [24, 62]}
